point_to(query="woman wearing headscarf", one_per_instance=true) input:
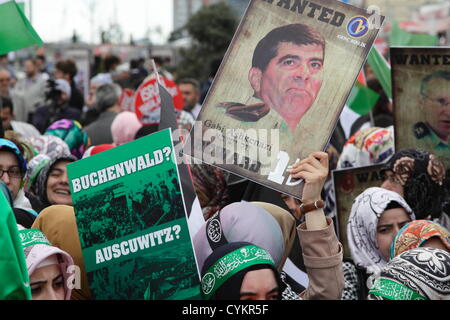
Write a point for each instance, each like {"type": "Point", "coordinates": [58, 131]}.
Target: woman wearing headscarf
{"type": "Point", "coordinates": [251, 274]}
{"type": "Point", "coordinates": [124, 127]}
{"type": "Point", "coordinates": [70, 131]}
{"type": "Point", "coordinates": [420, 233]}
{"type": "Point", "coordinates": [52, 184]}
{"type": "Point", "coordinates": [416, 274]}
{"type": "Point", "coordinates": [418, 176]}
{"type": "Point", "coordinates": [51, 146]}
{"type": "Point", "coordinates": [13, 167]}
{"type": "Point", "coordinates": [322, 252]}
{"type": "Point", "coordinates": [23, 217]}
{"type": "Point", "coordinates": [376, 216]}
{"type": "Point", "coordinates": [49, 267]}
{"type": "Point", "coordinates": [59, 226]}
{"type": "Point", "coordinates": [263, 224]}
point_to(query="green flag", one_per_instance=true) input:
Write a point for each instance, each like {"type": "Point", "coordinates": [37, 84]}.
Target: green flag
{"type": "Point", "coordinates": [381, 69]}
{"type": "Point", "coordinates": [16, 31]}
{"type": "Point", "coordinates": [400, 38]}
{"type": "Point", "coordinates": [362, 99]}
{"type": "Point", "coordinates": [14, 280]}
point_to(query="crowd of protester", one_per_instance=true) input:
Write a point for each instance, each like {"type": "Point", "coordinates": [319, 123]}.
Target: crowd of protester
{"type": "Point", "coordinates": [397, 232]}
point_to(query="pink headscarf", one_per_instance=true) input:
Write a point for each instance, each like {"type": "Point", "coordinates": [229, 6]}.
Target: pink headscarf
{"type": "Point", "coordinates": [124, 127]}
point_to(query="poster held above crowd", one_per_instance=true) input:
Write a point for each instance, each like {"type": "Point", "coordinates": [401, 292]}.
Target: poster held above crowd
{"type": "Point", "coordinates": [298, 62]}
{"type": "Point", "coordinates": [421, 94]}
{"type": "Point", "coordinates": [132, 222]}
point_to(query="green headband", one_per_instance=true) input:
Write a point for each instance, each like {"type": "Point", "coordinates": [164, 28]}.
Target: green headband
{"type": "Point", "coordinates": [227, 266]}
{"type": "Point", "coordinates": [394, 291]}
{"type": "Point", "coordinates": [30, 237]}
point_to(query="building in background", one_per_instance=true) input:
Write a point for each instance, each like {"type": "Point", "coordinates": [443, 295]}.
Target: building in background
{"type": "Point", "coordinates": [183, 10]}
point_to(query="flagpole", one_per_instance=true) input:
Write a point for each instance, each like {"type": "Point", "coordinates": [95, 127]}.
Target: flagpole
{"type": "Point", "coordinates": [156, 71]}
{"type": "Point", "coordinates": [31, 11]}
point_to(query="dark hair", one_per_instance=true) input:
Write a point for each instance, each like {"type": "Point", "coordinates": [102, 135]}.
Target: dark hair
{"type": "Point", "coordinates": [393, 205]}
{"type": "Point", "coordinates": [110, 61]}
{"type": "Point", "coordinates": [6, 103]}
{"type": "Point", "coordinates": [438, 74]}
{"type": "Point", "coordinates": [267, 47]}
{"type": "Point", "coordinates": [425, 196]}
{"type": "Point", "coordinates": [146, 129]}
{"type": "Point", "coordinates": [67, 66]}
{"type": "Point", "coordinates": [41, 57]}
{"type": "Point", "coordinates": [191, 81]}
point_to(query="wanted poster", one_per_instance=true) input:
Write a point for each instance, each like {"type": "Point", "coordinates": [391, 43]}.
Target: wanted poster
{"type": "Point", "coordinates": [281, 88]}
{"type": "Point", "coordinates": [421, 97]}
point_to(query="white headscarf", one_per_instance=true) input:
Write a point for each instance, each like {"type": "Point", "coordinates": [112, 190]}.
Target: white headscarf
{"type": "Point", "coordinates": [366, 210]}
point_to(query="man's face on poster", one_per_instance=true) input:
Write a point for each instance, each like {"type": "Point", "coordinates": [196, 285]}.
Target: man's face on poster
{"type": "Point", "coordinates": [291, 81]}
{"type": "Point", "coordinates": [435, 104]}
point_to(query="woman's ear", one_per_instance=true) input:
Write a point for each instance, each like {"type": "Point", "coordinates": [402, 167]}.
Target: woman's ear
{"type": "Point", "coordinates": [254, 77]}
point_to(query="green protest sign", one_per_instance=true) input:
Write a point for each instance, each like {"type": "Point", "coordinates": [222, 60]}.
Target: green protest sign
{"type": "Point", "coordinates": [132, 222]}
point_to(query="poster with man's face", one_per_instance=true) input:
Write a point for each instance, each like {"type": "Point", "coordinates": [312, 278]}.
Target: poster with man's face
{"type": "Point", "coordinates": [281, 87]}
{"type": "Point", "coordinates": [421, 94]}
{"type": "Point", "coordinates": [348, 184]}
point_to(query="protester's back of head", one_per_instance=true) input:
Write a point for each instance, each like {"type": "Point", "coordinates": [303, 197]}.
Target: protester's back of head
{"type": "Point", "coordinates": [106, 96]}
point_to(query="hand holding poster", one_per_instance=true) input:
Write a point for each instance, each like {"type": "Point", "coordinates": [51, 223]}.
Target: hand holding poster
{"type": "Point", "coordinates": [421, 93]}
{"type": "Point", "coordinates": [281, 87]}
{"type": "Point", "coordinates": [132, 222]}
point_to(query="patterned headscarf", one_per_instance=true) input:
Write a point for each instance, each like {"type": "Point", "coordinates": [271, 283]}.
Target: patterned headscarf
{"type": "Point", "coordinates": [224, 270]}
{"type": "Point", "coordinates": [250, 222]}
{"type": "Point", "coordinates": [35, 166]}
{"type": "Point", "coordinates": [415, 233]}
{"type": "Point", "coordinates": [50, 145]}
{"type": "Point", "coordinates": [41, 181]}
{"type": "Point", "coordinates": [71, 132]}
{"type": "Point", "coordinates": [59, 225]}
{"type": "Point", "coordinates": [40, 252]}
{"type": "Point", "coordinates": [421, 174]}
{"type": "Point", "coordinates": [368, 146]}
{"type": "Point", "coordinates": [7, 145]}
{"type": "Point", "coordinates": [366, 210]}
{"type": "Point", "coordinates": [417, 274]}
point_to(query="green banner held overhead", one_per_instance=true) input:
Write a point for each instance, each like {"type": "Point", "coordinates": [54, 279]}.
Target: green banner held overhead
{"type": "Point", "coordinates": [402, 38]}
{"type": "Point", "coordinates": [14, 280]}
{"type": "Point", "coordinates": [362, 99]}
{"type": "Point", "coordinates": [16, 31]}
{"type": "Point", "coordinates": [381, 69]}
{"type": "Point", "coordinates": [132, 222]}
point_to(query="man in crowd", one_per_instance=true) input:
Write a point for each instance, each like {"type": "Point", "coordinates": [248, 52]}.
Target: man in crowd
{"type": "Point", "coordinates": [8, 122]}
{"type": "Point", "coordinates": [29, 92]}
{"type": "Point", "coordinates": [5, 83]}
{"type": "Point", "coordinates": [107, 103]}
{"type": "Point", "coordinates": [67, 70]}
{"type": "Point", "coordinates": [433, 134]}
{"type": "Point", "coordinates": [57, 106]}
{"type": "Point", "coordinates": [190, 89]}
